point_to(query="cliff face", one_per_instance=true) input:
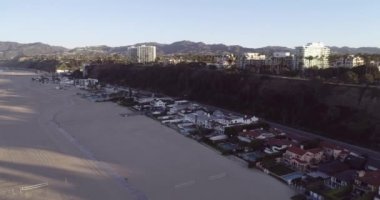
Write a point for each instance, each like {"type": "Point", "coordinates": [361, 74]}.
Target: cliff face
{"type": "Point", "coordinates": [362, 98]}
{"type": "Point", "coordinates": [348, 113]}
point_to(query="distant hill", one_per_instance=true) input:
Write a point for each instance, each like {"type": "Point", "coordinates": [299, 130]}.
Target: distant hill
{"type": "Point", "coordinates": [9, 50]}
{"type": "Point", "coordinates": [188, 47]}
{"type": "Point", "coordinates": [349, 50]}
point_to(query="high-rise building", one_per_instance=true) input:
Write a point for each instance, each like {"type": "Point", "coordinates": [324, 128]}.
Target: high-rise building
{"type": "Point", "coordinates": [142, 54]}
{"type": "Point", "coordinates": [314, 54]}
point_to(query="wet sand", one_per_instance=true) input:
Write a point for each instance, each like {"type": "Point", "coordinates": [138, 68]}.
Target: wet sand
{"type": "Point", "coordinates": [86, 150]}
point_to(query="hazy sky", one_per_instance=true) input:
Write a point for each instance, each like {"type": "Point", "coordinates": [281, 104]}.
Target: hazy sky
{"type": "Point", "coordinates": [251, 23]}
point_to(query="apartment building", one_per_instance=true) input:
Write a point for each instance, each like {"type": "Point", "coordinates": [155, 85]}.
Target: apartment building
{"type": "Point", "coordinates": [142, 54]}
{"type": "Point", "coordinates": [314, 54]}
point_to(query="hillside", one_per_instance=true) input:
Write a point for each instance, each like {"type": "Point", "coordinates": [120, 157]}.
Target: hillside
{"type": "Point", "coordinates": [360, 50]}
{"type": "Point", "coordinates": [10, 50]}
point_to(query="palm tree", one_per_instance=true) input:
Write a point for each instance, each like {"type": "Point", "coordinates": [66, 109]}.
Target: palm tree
{"type": "Point", "coordinates": [310, 58]}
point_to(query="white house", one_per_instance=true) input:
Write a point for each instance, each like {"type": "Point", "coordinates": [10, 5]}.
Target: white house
{"type": "Point", "coordinates": [158, 103]}
{"type": "Point", "coordinates": [349, 61]}
{"type": "Point", "coordinates": [302, 159]}
{"type": "Point", "coordinates": [280, 60]}
{"type": "Point", "coordinates": [230, 120]}
{"type": "Point", "coordinates": [223, 61]}
{"type": "Point", "coordinates": [251, 59]}
{"type": "Point", "coordinates": [199, 118]}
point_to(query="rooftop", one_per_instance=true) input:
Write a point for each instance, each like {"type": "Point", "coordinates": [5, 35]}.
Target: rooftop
{"type": "Point", "coordinates": [300, 151]}
{"type": "Point", "coordinates": [347, 175]}
{"type": "Point", "coordinates": [296, 150]}
{"type": "Point", "coordinates": [371, 177]}
{"type": "Point", "coordinates": [333, 167]}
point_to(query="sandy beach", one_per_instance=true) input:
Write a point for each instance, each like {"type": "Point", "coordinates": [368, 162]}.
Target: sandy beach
{"type": "Point", "coordinates": [86, 150]}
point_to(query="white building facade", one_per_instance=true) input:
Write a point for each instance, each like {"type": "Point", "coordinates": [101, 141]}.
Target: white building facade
{"type": "Point", "coordinates": [142, 54]}
{"type": "Point", "coordinates": [314, 54]}
{"type": "Point", "coordinates": [280, 60]}
{"type": "Point", "coordinates": [251, 59]}
{"type": "Point", "coordinates": [349, 61]}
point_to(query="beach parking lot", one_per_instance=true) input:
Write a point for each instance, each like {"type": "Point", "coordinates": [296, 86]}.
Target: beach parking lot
{"type": "Point", "coordinates": [70, 148]}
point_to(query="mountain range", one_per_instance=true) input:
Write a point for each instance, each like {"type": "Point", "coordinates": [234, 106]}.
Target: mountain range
{"type": "Point", "coordinates": [9, 50]}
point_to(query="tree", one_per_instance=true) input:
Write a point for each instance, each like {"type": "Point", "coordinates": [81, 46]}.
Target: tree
{"type": "Point", "coordinates": [350, 77]}
{"type": "Point", "coordinates": [310, 58]}
{"type": "Point", "coordinates": [367, 79]}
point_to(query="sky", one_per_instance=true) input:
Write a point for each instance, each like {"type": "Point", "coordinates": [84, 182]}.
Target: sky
{"type": "Point", "coordinates": [250, 23]}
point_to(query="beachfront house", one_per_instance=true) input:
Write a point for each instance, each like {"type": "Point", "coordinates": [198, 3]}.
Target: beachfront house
{"type": "Point", "coordinates": [274, 145]}
{"type": "Point", "coordinates": [333, 151]}
{"type": "Point", "coordinates": [177, 106]}
{"type": "Point", "coordinates": [341, 179]}
{"type": "Point", "coordinates": [333, 167]}
{"type": "Point", "coordinates": [338, 174]}
{"type": "Point", "coordinates": [248, 136]}
{"type": "Point", "coordinates": [200, 118]}
{"type": "Point", "coordinates": [301, 159]}
{"type": "Point", "coordinates": [366, 181]}
{"type": "Point", "coordinates": [233, 120]}
{"type": "Point", "coordinates": [158, 103]}
{"type": "Point", "coordinates": [218, 127]}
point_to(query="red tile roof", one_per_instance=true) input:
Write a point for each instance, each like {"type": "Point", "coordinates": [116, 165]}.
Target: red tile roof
{"type": "Point", "coordinates": [296, 150]}
{"type": "Point", "coordinates": [300, 151]}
